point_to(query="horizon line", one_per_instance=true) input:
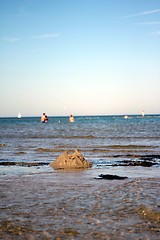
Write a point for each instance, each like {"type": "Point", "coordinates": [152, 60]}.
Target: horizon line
{"type": "Point", "coordinates": [90, 115]}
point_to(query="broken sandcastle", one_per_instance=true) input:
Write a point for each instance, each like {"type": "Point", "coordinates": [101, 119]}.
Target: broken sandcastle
{"type": "Point", "coordinates": [71, 161]}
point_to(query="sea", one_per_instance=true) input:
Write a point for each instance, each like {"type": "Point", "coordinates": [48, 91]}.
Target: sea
{"type": "Point", "coordinates": [27, 145]}
{"type": "Point", "coordinates": [40, 203]}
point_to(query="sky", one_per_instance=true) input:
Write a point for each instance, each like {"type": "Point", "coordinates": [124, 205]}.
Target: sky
{"type": "Point", "coordinates": [80, 57]}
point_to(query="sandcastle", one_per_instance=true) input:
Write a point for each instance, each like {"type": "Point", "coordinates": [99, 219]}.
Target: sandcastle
{"type": "Point", "coordinates": [70, 161]}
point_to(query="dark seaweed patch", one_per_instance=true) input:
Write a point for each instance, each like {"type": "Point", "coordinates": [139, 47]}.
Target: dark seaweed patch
{"type": "Point", "coordinates": [110, 177]}
{"type": "Point", "coordinates": [23, 164]}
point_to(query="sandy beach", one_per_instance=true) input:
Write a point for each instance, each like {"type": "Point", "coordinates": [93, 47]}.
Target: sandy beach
{"type": "Point", "coordinates": [74, 205]}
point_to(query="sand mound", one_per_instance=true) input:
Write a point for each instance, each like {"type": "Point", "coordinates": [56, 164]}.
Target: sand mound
{"type": "Point", "coordinates": [73, 161]}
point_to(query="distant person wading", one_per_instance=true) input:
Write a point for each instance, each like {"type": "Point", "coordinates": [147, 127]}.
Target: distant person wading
{"type": "Point", "coordinates": [71, 118]}
{"type": "Point", "coordinates": [44, 118]}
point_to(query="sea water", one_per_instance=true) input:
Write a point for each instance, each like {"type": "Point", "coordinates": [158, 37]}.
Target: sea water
{"type": "Point", "coordinates": [106, 141]}
{"type": "Point", "coordinates": [38, 202]}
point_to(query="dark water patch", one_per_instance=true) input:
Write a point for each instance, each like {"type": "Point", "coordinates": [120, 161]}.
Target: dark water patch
{"type": "Point", "coordinates": [23, 164]}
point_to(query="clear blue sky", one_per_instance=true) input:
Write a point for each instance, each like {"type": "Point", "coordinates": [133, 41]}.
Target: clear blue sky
{"type": "Point", "coordinates": [83, 57]}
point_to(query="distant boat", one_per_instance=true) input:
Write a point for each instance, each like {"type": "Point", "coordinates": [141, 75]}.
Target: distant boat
{"type": "Point", "coordinates": [19, 115]}
{"type": "Point", "coordinates": [142, 113]}
{"type": "Point", "coordinates": [126, 117]}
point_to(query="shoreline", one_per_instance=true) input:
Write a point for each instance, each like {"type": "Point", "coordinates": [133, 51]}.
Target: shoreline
{"type": "Point", "coordinates": [131, 164]}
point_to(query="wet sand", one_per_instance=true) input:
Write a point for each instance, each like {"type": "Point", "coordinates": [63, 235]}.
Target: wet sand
{"type": "Point", "coordinates": [73, 205]}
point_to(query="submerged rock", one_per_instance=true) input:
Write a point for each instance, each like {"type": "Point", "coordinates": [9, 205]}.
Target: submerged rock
{"type": "Point", "coordinates": [70, 161]}
{"type": "Point", "coordinates": [110, 177]}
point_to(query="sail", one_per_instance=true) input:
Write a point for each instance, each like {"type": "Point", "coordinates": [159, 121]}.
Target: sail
{"type": "Point", "coordinates": [19, 115]}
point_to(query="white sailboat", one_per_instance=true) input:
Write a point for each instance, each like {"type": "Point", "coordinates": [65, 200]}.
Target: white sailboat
{"type": "Point", "coordinates": [142, 113]}
{"type": "Point", "coordinates": [19, 115]}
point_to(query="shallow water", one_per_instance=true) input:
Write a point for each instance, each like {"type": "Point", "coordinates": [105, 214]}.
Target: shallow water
{"type": "Point", "coordinates": [98, 138]}
{"type": "Point", "coordinates": [74, 205]}
{"type": "Point", "coordinates": [38, 202]}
